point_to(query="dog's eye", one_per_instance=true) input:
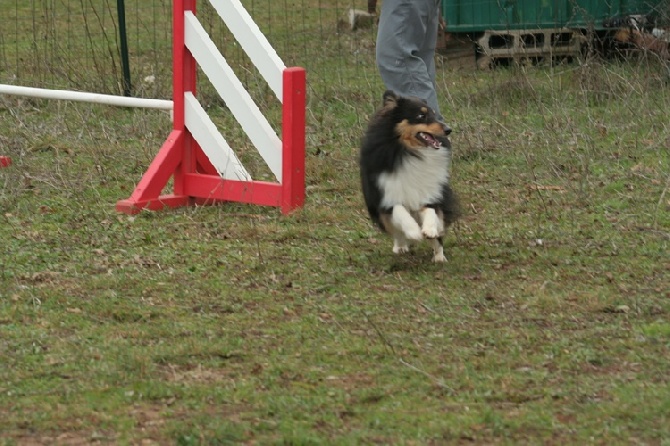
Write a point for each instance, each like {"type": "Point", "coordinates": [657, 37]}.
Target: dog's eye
{"type": "Point", "coordinates": [421, 117]}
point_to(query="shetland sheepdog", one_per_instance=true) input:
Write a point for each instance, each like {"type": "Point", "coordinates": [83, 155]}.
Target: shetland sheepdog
{"type": "Point", "coordinates": [404, 161]}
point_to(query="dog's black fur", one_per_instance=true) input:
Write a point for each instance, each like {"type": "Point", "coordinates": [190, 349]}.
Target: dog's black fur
{"type": "Point", "coordinates": [402, 136]}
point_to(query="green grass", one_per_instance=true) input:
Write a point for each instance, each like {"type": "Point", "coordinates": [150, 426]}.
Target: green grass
{"type": "Point", "coordinates": [235, 324]}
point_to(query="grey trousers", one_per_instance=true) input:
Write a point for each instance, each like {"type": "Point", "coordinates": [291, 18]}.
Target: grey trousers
{"type": "Point", "coordinates": [406, 40]}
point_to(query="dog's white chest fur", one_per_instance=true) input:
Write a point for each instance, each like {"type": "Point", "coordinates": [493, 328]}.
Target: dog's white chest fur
{"type": "Point", "coordinates": [417, 182]}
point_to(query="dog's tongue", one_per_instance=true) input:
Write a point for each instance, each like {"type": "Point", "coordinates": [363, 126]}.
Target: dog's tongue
{"type": "Point", "coordinates": [431, 140]}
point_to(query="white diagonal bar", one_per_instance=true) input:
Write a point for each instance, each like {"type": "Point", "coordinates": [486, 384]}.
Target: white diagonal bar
{"type": "Point", "coordinates": [253, 41]}
{"type": "Point", "coordinates": [212, 143]}
{"type": "Point", "coordinates": [231, 90]}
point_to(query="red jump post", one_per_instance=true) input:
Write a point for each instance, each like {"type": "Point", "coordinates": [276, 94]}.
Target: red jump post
{"type": "Point", "coordinates": [196, 181]}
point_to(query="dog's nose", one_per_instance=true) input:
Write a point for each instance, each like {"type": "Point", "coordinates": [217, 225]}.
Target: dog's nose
{"type": "Point", "coordinates": [445, 127]}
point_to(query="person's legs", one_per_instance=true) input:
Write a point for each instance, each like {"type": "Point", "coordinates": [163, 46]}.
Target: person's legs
{"type": "Point", "coordinates": [427, 51]}
{"type": "Point", "coordinates": [406, 41]}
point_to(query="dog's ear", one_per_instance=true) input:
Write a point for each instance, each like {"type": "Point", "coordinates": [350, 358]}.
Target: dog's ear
{"type": "Point", "coordinates": [390, 99]}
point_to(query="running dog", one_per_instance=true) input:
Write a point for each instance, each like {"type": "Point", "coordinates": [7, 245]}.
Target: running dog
{"type": "Point", "coordinates": [404, 161]}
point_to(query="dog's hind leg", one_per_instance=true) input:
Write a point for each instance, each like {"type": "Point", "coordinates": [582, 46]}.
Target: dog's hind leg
{"type": "Point", "coordinates": [400, 244]}
{"type": "Point", "coordinates": [438, 250]}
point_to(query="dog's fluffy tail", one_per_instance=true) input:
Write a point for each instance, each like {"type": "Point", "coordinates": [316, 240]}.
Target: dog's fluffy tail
{"type": "Point", "coordinates": [450, 205]}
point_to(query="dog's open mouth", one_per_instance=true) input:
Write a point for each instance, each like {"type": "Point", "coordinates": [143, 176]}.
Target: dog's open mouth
{"type": "Point", "coordinates": [429, 140]}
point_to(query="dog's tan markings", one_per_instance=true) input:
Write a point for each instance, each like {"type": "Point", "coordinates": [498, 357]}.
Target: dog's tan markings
{"type": "Point", "coordinates": [424, 110]}
{"type": "Point", "coordinates": [407, 133]}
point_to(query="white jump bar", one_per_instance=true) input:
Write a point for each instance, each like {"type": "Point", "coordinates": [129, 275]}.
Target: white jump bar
{"type": "Point", "coordinates": [80, 96]}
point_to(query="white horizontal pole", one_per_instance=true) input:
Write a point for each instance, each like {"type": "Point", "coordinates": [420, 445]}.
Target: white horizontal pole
{"type": "Point", "coordinates": [80, 96]}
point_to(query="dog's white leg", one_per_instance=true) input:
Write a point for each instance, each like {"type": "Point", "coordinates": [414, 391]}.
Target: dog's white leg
{"type": "Point", "coordinates": [404, 222]}
{"type": "Point", "coordinates": [400, 245]}
{"type": "Point", "coordinates": [430, 224]}
{"type": "Point", "coordinates": [438, 250]}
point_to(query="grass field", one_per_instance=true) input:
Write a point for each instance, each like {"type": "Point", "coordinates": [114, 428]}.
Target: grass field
{"type": "Point", "coordinates": [234, 324]}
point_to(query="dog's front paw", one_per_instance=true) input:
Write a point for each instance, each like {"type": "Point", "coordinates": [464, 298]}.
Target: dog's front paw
{"type": "Point", "coordinates": [439, 258]}
{"type": "Point", "coordinates": [400, 249]}
{"type": "Point", "coordinates": [400, 245]}
{"type": "Point", "coordinates": [430, 226]}
{"type": "Point", "coordinates": [414, 233]}
{"type": "Point", "coordinates": [430, 231]}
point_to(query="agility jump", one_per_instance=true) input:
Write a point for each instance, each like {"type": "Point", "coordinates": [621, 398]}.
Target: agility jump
{"type": "Point", "coordinates": [195, 155]}
{"type": "Point", "coordinates": [203, 167]}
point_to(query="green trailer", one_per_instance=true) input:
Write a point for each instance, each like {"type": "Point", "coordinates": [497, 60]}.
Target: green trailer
{"type": "Point", "coordinates": [531, 29]}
